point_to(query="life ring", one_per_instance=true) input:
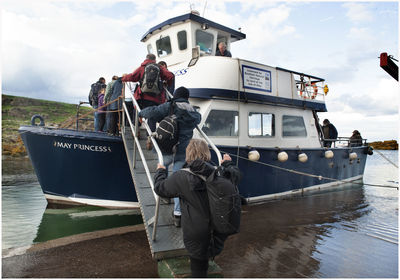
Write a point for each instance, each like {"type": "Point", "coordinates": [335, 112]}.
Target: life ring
{"type": "Point", "coordinates": [315, 91]}
{"type": "Point", "coordinates": [33, 120]}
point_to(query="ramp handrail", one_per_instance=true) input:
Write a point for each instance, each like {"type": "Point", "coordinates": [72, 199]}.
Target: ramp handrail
{"type": "Point", "coordinates": [134, 130]}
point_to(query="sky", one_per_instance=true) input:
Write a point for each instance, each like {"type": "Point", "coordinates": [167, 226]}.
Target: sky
{"type": "Point", "coordinates": [54, 50]}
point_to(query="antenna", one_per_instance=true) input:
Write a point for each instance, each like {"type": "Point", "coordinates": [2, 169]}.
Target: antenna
{"type": "Point", "coordinates": [204, 10]}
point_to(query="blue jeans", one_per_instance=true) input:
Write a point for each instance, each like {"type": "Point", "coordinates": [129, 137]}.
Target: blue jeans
{"type": "Point", "coordinates": [96, 120]}
{"type": "Point", "coordinates": [178, 160]}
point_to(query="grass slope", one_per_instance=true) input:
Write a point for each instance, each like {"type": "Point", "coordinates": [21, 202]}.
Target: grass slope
{"type": "Point", "coordinates": [17, 111]}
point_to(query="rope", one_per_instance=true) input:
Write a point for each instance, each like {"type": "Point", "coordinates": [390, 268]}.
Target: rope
{"type": "Point", "coordinates": [312, 175]}
{"type": "Point", "coordinates": [386, 158]}
{"type": "Point", "coordinates": [73, 120]}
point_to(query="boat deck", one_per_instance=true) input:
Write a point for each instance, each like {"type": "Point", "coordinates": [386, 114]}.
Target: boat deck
{"type": "Point", "coordinates": [169, 241]}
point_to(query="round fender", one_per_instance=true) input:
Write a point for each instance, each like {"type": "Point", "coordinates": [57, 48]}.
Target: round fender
{"type": "Point", "coordinates": [33, 120]}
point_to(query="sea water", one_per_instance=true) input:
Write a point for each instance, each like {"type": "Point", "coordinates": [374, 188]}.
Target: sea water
{"type": "Point", "coordinates": [350, 232]}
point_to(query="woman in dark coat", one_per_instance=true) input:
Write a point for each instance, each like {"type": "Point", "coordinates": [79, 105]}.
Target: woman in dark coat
{"type": "Point", "coordinates": [198, 237]}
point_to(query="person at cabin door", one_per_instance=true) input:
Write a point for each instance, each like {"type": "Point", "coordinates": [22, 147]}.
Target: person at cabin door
{"type": "Point", "coordinates": [150, 92]}
{"type": "Point", "coordinates": [187, 119]}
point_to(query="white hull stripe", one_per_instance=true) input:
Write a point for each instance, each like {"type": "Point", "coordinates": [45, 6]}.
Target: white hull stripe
{"type": "Point", "coordinates": [94, 202]}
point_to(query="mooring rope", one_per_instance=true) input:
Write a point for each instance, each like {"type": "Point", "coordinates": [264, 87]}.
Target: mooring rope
{"type": "Point", "coordinates": [320, 177]}
{"type": "Point", "coordinates": [386, 158]}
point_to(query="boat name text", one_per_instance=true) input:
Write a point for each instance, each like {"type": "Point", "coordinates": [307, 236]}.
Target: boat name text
{"type": "Point", "coordinates": [82, 147]}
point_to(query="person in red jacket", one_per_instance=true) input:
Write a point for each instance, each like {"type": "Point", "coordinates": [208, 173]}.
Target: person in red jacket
{"type": "Point", "coordinates": [147, 99]}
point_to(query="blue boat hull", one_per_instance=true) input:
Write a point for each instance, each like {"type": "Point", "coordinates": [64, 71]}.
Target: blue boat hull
{"type": "Point", "coordinates": [80, 166]}
{"type": "Point", "coordinates": [270, 178]}
{"type": "Point", "coordinates": [91, 168]}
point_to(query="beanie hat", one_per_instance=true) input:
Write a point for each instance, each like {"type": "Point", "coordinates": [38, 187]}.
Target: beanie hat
{"type": "Point", "coordinates": [181, 92]}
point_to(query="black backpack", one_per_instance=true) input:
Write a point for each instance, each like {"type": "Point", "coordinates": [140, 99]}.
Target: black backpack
{"type": "Point", "coordinates": [94, 93]}
{"type": "Point", "coordinates": [224, 202]}
{"type": "Point", "coordinates": [150, 83]}
{"type": "Point", "coordinates": [167, 134]}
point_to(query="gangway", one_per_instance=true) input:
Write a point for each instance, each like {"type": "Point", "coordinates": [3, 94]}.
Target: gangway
{"type": "Point", "coordinates": [164, 238]}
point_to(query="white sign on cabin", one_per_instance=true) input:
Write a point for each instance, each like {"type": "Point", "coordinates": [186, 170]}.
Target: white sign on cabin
{"type": "Point", "coordinates": [256, 78]}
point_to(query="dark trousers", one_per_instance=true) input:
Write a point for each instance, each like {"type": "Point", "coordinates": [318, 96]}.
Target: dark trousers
{"type": "Point", "coordinates": [113, 122]}
{"type": "Point", "coordinates": [129, 106]}
{"type": "Point", "coordinates": [199, 268]}
{"type": "Point", "coordinates": [101, 121]}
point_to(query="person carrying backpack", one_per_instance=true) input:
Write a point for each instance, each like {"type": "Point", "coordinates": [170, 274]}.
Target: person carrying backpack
{"type": "Point", "coordinates": [187, 118]}
{"type": "Point", "coordinates": [150, 92]}
{"type": "Point", "coordinates": [94, 97]}
{"type": "Point", "coordinates": [200, 237]}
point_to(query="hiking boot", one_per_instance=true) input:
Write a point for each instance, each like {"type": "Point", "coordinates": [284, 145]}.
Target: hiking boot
{"type": "Point", "coordinates": [177, 220]}
{"type": "Point", "coordinates": [149, 145]}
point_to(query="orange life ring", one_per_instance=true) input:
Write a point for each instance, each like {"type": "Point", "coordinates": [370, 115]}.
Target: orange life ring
{"type": "Point", "coordinates": [315, 92]}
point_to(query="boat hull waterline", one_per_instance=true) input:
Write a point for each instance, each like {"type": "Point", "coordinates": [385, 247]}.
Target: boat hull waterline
{"type": "Point", "coordinates": [81, 167]}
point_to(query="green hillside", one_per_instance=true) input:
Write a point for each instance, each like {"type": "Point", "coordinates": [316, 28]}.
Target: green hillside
{"type": "Point", "coordinates": [17, 111]}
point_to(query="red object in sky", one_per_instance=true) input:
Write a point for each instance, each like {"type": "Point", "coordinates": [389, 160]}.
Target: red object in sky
{"type": "Point", "coordinates": [389, 66]}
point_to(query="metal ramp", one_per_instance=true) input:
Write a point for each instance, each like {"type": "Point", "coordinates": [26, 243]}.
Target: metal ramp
{"type": "Point", "coordinates": [165, 240]}
{"type": "Point", "coordinates": [168, 242]}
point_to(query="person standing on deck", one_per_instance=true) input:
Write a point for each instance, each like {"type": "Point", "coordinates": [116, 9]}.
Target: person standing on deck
{"type": "Point", "coordinates": [329, 131]}
{"type": "Point", "coordinates": [94, 99]}
{"type": "Point", "coordinates": [142, 95]}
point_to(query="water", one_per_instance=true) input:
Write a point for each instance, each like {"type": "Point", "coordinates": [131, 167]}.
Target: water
{"type": "Point", "coordinates": [351, 232]}
{"type": "Point", "coordinates": [26, 220]}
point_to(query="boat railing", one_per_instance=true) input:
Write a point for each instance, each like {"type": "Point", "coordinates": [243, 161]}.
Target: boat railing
{"type": "Point", "coordinates": [345, 142]}
{"type": "Point", "coordinates": [84, 117]}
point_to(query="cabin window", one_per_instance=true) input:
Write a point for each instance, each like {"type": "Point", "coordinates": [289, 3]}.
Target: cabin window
{"type": "Point", "coordinates": [182, 40]}
{"type": "Point", "coordinates": [163, 46]}
{"type": "Point", "coordinates": [222, 123]}
{"type": "Point", "coordinates": [149, 48]}
{"type": "Point", "coordinates": [261, 124]}
{"type": "Point", "coordinates": [205, 41]}
{"type": "Point", "coordinates": [293, 126]}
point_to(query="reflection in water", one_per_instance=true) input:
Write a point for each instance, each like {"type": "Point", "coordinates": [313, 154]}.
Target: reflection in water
{"type": "Point", "coordinates": [351, 232]}
{"type": "Point", "coordinates": [282, 243]}
{"type": "Point", "coordinates": [58, 223]}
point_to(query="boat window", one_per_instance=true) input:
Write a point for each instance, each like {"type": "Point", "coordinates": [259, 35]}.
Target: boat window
{"type": "Point", "coordinates": [222, 123]}
{"type": "Point", "coordinates": [163, 46]}
{"type": "Point", "coordinates": [205, 41]}
{"type": "Point", "coordinates": [149, 48]}
{"type": "Point", "coordinates": [261, 124]}
{"type": "Point", "coordinates": [182, 40]}
{"type": "Point", "coordinates": [293, 126]}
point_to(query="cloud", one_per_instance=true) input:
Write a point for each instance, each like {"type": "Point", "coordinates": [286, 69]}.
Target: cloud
{"type": "Point", "coordinates": [358, 12]}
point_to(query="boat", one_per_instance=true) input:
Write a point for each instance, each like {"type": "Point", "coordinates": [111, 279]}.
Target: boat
{"type": "Point", "coordinates": [264, 117]}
